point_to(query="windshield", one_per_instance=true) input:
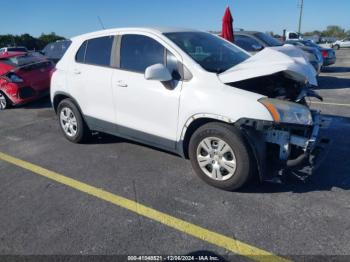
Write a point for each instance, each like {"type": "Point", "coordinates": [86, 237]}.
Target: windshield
{"type": "Point", "coordinates": [56, 50]}
{"type": "Point", "coordinates": [211, 52]}
{"type": "Point", "coordinates": [268, 40]}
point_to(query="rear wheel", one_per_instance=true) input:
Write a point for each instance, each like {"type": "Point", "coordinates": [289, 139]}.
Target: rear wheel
{"type": "Point", "coordinates": [4, 102]}
{"type": "Point", "coordinates": [71, 122]}
{"type": "Point", "coordinates": [336, 47]}
{"type": "Point", "coordinates": [221, 157]}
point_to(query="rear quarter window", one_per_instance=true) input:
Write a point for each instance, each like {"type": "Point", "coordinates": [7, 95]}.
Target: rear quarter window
{"type": "Point", "coordinates": [80, 56]}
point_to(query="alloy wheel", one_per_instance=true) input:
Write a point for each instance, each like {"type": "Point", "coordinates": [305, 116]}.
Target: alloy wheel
{"type": "Point", "coordinates": [3, 102]}
{"type": "Point", "coordinates": [68, 122]}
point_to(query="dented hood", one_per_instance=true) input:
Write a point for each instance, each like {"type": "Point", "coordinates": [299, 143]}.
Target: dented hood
{"type": "Point", "coordinates": [287, 59]}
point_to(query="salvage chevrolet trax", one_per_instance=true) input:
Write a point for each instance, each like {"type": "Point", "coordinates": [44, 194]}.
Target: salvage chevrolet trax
{"type": "Point", "coordinates": [189, 92]}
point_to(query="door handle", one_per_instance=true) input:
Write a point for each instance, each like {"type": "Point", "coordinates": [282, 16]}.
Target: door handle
{"type": "Point", "coordinates": [76, 71]}
{"type": "Point", "coordinates": [122, 84]}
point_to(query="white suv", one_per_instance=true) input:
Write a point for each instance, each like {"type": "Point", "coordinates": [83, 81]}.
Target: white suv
{"type": "Point", "coordinates": [192, 93]}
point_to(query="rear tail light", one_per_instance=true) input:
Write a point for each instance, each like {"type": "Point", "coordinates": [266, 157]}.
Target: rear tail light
{"type": "Point", "coordinates": [325, 53]}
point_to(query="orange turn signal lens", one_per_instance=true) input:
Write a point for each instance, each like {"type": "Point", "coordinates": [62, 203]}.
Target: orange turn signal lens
{"type": "Point", "coordinates": [273, 111]}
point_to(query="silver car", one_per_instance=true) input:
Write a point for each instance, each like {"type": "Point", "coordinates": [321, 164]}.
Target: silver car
{"type": "Point", "coordinates": [253, 41]}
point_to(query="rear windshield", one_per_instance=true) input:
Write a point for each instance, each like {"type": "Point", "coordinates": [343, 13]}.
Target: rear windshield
{"type": "Point", "coordinates": [22, 60]}
{"type": "Point", "coordinates": [56, 50]}
{"type": "Point", "coordinates": [268, 40]}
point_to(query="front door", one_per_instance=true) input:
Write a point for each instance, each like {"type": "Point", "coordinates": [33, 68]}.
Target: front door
{"type": "Point", "coordinates": [146, 110]}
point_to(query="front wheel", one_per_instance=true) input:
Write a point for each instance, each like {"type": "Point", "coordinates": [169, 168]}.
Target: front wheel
{"type": "Point", "coordinates": [221, 156]}
{"type": "Point", "coordinates": [336, 47]}
{"type": "Point", "coordinates": [71, 122]}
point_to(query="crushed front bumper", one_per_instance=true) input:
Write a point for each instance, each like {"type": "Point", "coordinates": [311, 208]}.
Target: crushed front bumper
{"type": "Point", "coordinates": [288, 150]}
{"type": "Point", "coordinates": [311, 150]}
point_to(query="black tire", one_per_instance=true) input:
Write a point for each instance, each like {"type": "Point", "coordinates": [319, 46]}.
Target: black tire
{"type": "Point", "coordinates": [5, 103]}
{"type": "Point", "coordinates": [336, 47]}
{"type": "Point", "coordinates": [245, 161]}
{"type": "Point", "coordinates": [82, 130]}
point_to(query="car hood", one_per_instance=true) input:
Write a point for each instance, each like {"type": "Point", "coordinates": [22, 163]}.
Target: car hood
{"type": "Point", "coordinates": [287, 59]}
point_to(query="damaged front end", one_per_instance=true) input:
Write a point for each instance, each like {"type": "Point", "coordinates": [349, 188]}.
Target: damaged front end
{"type": "Point", "coordinates": [291, 143]}
{"type": "Point", "coordinates": [286, 149]}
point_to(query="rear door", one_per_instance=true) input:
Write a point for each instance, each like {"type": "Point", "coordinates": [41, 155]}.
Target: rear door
{"type": "Point", "coordinates": [90, 79]}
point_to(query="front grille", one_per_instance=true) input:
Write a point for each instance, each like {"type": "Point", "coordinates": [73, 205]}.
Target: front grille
{"type": "Point", "coordinates": [26, 92]}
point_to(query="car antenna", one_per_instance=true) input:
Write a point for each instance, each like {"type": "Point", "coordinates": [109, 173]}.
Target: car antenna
{"type": "Point", "coordinates": [100, 20]}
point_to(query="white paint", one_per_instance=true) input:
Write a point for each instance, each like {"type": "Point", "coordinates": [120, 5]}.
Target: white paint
{"type": "Point", "coordinates": [271, 60]}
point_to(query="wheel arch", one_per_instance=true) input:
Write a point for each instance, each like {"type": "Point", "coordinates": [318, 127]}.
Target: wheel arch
{"type": "Point", "coordinates": [193, 124]}
{"type": "Point", "coordinates": [252, 138]}
{"type": "Point", "coordinates": [59, 96]}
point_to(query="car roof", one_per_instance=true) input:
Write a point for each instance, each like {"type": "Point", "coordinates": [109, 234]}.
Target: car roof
{"type": "Point", "coordinates": [246, 32]}
{"type": "Point", "coordinates": [156, 30]}
{"type": "Point", "coordinates": [11, 54]}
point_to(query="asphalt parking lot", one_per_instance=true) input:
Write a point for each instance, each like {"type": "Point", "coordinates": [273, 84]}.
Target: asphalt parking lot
{"type": "Point", "coordinates": [40, 216]}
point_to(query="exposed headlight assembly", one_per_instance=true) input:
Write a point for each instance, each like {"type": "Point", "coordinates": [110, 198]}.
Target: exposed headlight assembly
{"type": "Point", "coordinates": [287, 112]}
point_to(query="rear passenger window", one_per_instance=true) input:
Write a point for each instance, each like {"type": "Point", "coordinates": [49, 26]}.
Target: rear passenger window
{"type": "Point", "coordinates": [98, 51]}
{"type": "Point", "coordinates": [80, 57]}
{"type": "Point", "coordinates": [139, 52]}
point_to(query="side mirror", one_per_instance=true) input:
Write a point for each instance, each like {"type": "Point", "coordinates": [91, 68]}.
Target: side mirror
{"type": "Point", "coordinates": [258, 47]}
{"type": "Point", "coordinates": [158, 72]}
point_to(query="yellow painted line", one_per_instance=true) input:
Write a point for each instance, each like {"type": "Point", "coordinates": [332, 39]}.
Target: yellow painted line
{"type": "Point", "coordinates": [328, 103]}
{"type": "Point", "coordinates": [211, 237]}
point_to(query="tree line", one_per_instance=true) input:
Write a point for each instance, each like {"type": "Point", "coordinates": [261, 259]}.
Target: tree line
{"type": "Point", "coordinates": [331, 31]}
{"type": "Point", "coordinates": [32, 43]}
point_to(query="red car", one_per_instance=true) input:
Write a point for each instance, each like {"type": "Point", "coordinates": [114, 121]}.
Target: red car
{"type": "Point", "coordinates": [24, 77]}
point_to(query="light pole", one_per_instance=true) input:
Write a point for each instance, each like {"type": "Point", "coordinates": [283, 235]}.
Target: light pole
{"type": "Point", "coordinates": [301, 15]}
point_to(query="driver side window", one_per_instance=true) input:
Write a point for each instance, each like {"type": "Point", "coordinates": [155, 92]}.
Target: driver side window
{"type": "Point", "coordinates": [137, 52]}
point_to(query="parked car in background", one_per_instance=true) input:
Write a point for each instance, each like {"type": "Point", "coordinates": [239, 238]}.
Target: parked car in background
{"type": "Point", "coordinates": [234, 115]}
{"type": "Point", "coordinates": [328, 54]}
{"type": "Point", "coordinates": [13, 49]}
{"type": "Point", "coordinates": [24, 77]}
{"type": "Point", "coordinates": [341, 43]}
{"type": "Point", "coordinates": [248, 43]}
{"type": "Point", "coordinates": [253, 42]}
{"type": "Point", "coordinates": [55, 51]}
{"type": "Point", "coordinates": [290, 35]}
{"type": "Point", "coordinates": [314, 54]}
